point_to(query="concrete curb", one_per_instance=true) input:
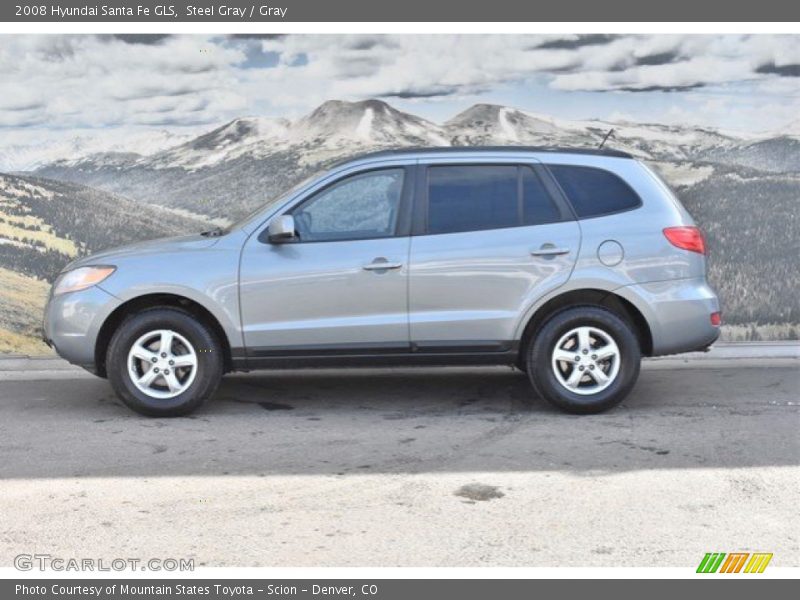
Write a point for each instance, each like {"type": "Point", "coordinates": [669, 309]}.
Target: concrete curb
{"type": "Point", "coordinates": [752, 350]}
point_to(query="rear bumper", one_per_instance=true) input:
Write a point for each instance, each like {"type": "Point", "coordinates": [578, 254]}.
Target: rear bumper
{"type": "Point", "coordinates": [72, 323]}
{"type": "Point", "coordinates": [678, 313]}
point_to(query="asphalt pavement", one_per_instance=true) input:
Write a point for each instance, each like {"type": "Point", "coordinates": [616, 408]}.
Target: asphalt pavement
{"type": "Point", "coordinates": [408, 467]}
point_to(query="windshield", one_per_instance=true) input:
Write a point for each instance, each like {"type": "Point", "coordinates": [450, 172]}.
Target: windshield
{"type": "Point", "coordinates": [276, 200]}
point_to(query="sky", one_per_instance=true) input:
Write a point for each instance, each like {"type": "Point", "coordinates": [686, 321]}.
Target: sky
{"type": "Point", "coordinates": [55, 87]}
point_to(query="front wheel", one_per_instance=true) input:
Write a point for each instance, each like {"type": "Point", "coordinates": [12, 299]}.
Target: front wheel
{"type": "Point", "coordinates": [584, 360]}
{"type": "Point", "coordinates": [163, 362]}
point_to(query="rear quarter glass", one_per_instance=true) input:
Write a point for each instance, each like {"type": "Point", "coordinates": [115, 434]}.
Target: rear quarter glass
{"type": "Point", "coordinates": [658, 204]}
{"type": "Point", "coordinates": [594, 191]}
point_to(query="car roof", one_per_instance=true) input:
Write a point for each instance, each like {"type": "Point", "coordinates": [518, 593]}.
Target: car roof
{"type": "Point", "coordinates": [423, 150]}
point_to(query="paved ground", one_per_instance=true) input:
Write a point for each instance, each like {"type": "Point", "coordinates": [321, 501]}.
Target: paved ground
{"type": "Point", "coordinates": [365, 468]}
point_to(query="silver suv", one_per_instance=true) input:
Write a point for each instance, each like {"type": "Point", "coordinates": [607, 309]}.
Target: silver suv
{"type": "Point", "coordinates": [568, 264]}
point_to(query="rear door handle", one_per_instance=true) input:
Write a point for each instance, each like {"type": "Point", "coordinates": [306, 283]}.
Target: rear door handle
{"type": "Point", "coordinates": [549, 250]}
{"type": "Point", "coordinates": [381, 264]}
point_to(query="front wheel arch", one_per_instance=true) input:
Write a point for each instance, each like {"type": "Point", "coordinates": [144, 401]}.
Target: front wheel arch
{"type": "Point", "coordinates": [164, 381]}
{"type": "Point", "coordinates": [140, 303]}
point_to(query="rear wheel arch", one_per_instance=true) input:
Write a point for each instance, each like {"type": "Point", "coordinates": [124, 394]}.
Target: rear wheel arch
{"type": "Point", "coordinates": [588, 297]}
{"type": "Point", "coordinates": [150, 301]}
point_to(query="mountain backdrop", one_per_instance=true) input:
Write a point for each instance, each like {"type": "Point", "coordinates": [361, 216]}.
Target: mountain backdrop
{"type": "Point", "coordinates": [744, 191]}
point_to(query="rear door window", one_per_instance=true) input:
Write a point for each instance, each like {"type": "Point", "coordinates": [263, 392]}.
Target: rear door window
{"type": "Point", "coordinates": [478, 197]}
{"type": "Point", "coordinates": [594, 192]}
{"type": "Point", "coordinates": [472, 197]}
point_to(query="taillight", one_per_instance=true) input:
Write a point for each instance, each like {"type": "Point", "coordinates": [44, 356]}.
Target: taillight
{"type": "Point", "coordinates": [716, 319]}
{"type": "Point", "coordinates": [686, 238]}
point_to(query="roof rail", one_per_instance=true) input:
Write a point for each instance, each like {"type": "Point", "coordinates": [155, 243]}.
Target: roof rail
{"type": "Point", "coordinates": [453, 149]}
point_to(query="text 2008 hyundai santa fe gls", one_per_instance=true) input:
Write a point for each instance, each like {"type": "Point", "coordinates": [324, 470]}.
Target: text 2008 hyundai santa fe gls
{"type": "Point", "coordinates": [569, 264]}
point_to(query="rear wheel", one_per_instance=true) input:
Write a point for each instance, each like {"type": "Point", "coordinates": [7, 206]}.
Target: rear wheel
{"type": "Point", "coordinates": [584, 360]}
{"type": "Point", "coordinates": [163, 362]}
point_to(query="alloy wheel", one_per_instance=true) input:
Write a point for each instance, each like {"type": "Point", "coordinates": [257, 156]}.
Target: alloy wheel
{"type": "Point", "coordinates": [586, 360]}
{"type": "Point", "coordinates": [162, 364]}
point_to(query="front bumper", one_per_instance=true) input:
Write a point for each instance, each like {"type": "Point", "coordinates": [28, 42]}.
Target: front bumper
{"type": "Point", "coordinates": [72, 323]}
{"type": "Point", "coordinates": [678, 313]}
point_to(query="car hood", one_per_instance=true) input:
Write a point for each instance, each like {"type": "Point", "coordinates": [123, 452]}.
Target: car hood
{"type": "Point", "coordinates": [169, 244]}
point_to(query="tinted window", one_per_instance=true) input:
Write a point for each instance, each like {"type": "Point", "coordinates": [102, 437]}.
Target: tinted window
{"type": "Point", "coordinates": [469, 198]}
{"type": "Point", "coordinates": [537, 205]}
{"type": "Point", "coordinates": [594, 192]}
{"type": "Point", "coordinates": [358, 207]}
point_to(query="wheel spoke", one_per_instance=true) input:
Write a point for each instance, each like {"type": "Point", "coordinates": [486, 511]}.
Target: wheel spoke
{"type": "Point", "coordinates": [143, 353]}
{"type": "Point", "coordinates": [599, 376]}
{"type": "Point", "coordinates": [185, 360]}
{"type": "Point", "coordinates": [565, 355]}
{"type": "Point", "coordinates": [607, 351]}
{"type": "Point", "coordinates": [147, 379]}
{"type": "Point", "coordinates": [172, 382]}
{"type": "Point", "coordinates": [574, 377]}
{"type": "Point", "coordinates": [584, 341]}
{"type": "Point", "coordinates": [166, 342]}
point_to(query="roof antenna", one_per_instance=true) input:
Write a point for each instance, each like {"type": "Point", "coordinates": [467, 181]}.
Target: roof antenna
{"type": "Point", "coordinates": [608, 135]}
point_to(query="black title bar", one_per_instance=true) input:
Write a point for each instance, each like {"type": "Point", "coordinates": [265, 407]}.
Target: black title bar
{"type": "Point", "coordinates": [381, 589]}
{"type": "Point", "coordinates": [253, 11]}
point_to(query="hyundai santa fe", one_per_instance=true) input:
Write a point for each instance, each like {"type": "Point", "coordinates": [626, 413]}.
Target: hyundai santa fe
{"type": "Point", "coordinates": [569, 264]}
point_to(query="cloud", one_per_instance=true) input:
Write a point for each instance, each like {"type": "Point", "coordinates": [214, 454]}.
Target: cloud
{"type": "Point", "coordinates": [659, 58]}
{"type": "Point", "coordinates": [255, 36]}
{"type": "Point", "coordinates": [576, 41]}
{"type": "Point", "coordinates": [315, 68]}
{"type": "Point", "coordinates": [662, 88]}
{"type": "Point", "coordinates": [16, 97]}
{"type": "Point", "coordinates": [416, 92]}
{"type": "Point", "coordinates": [358, 66]}
{"type": "Point", "coordinates": [83, 81]}
{"type": "Point", "coordinates": [139, 38]}
{"type": "Point", "coordinates": [106, 81]}
{"type": "Point", "coordinates": [397, 66]}
{"type": "Point", "coordinates": [783, 70]}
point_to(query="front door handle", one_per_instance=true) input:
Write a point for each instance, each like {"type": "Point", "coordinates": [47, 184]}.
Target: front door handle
{"type": "Point", "coordinates": [549, 250]}
{"type": "Point", "coordinates": [381, 264]}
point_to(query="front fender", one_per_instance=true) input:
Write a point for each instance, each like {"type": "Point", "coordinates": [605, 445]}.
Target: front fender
{"type": "Point", "coordinates": [207, 276]}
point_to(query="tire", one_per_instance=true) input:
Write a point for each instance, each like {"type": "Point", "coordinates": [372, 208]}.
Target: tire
{"type": "Point", "coordinates": [181, 385]}
{"type": "Point", "coordinates": [612, 352]}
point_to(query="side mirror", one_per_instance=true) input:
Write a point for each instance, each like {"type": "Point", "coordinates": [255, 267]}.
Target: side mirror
{"type": "Point", "coordinates": [281, 229]}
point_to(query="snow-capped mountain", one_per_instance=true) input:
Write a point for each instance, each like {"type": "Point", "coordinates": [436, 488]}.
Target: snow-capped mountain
{"type": "Point", "coordinates": [253, 136]}
{"type": "Point", "coordinates": [491, 123]}
{"type": "Point", "coordinates": [229, 170]}
{"type": "Point", "coordinates": [329, 130]}
{"type": "Point", "coordinates": [370, 123]}
{"type": "Point", "coordinates": [38, 148]}
{"type": "Point", "coordinates": [488, 123]}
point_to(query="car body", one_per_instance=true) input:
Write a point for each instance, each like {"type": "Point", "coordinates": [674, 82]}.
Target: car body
{"type": "Point", "coordinates": [420, 256]}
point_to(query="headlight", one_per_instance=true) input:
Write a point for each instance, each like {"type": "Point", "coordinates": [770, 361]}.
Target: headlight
{"type": "Point", "coordinates": [81, 278]}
